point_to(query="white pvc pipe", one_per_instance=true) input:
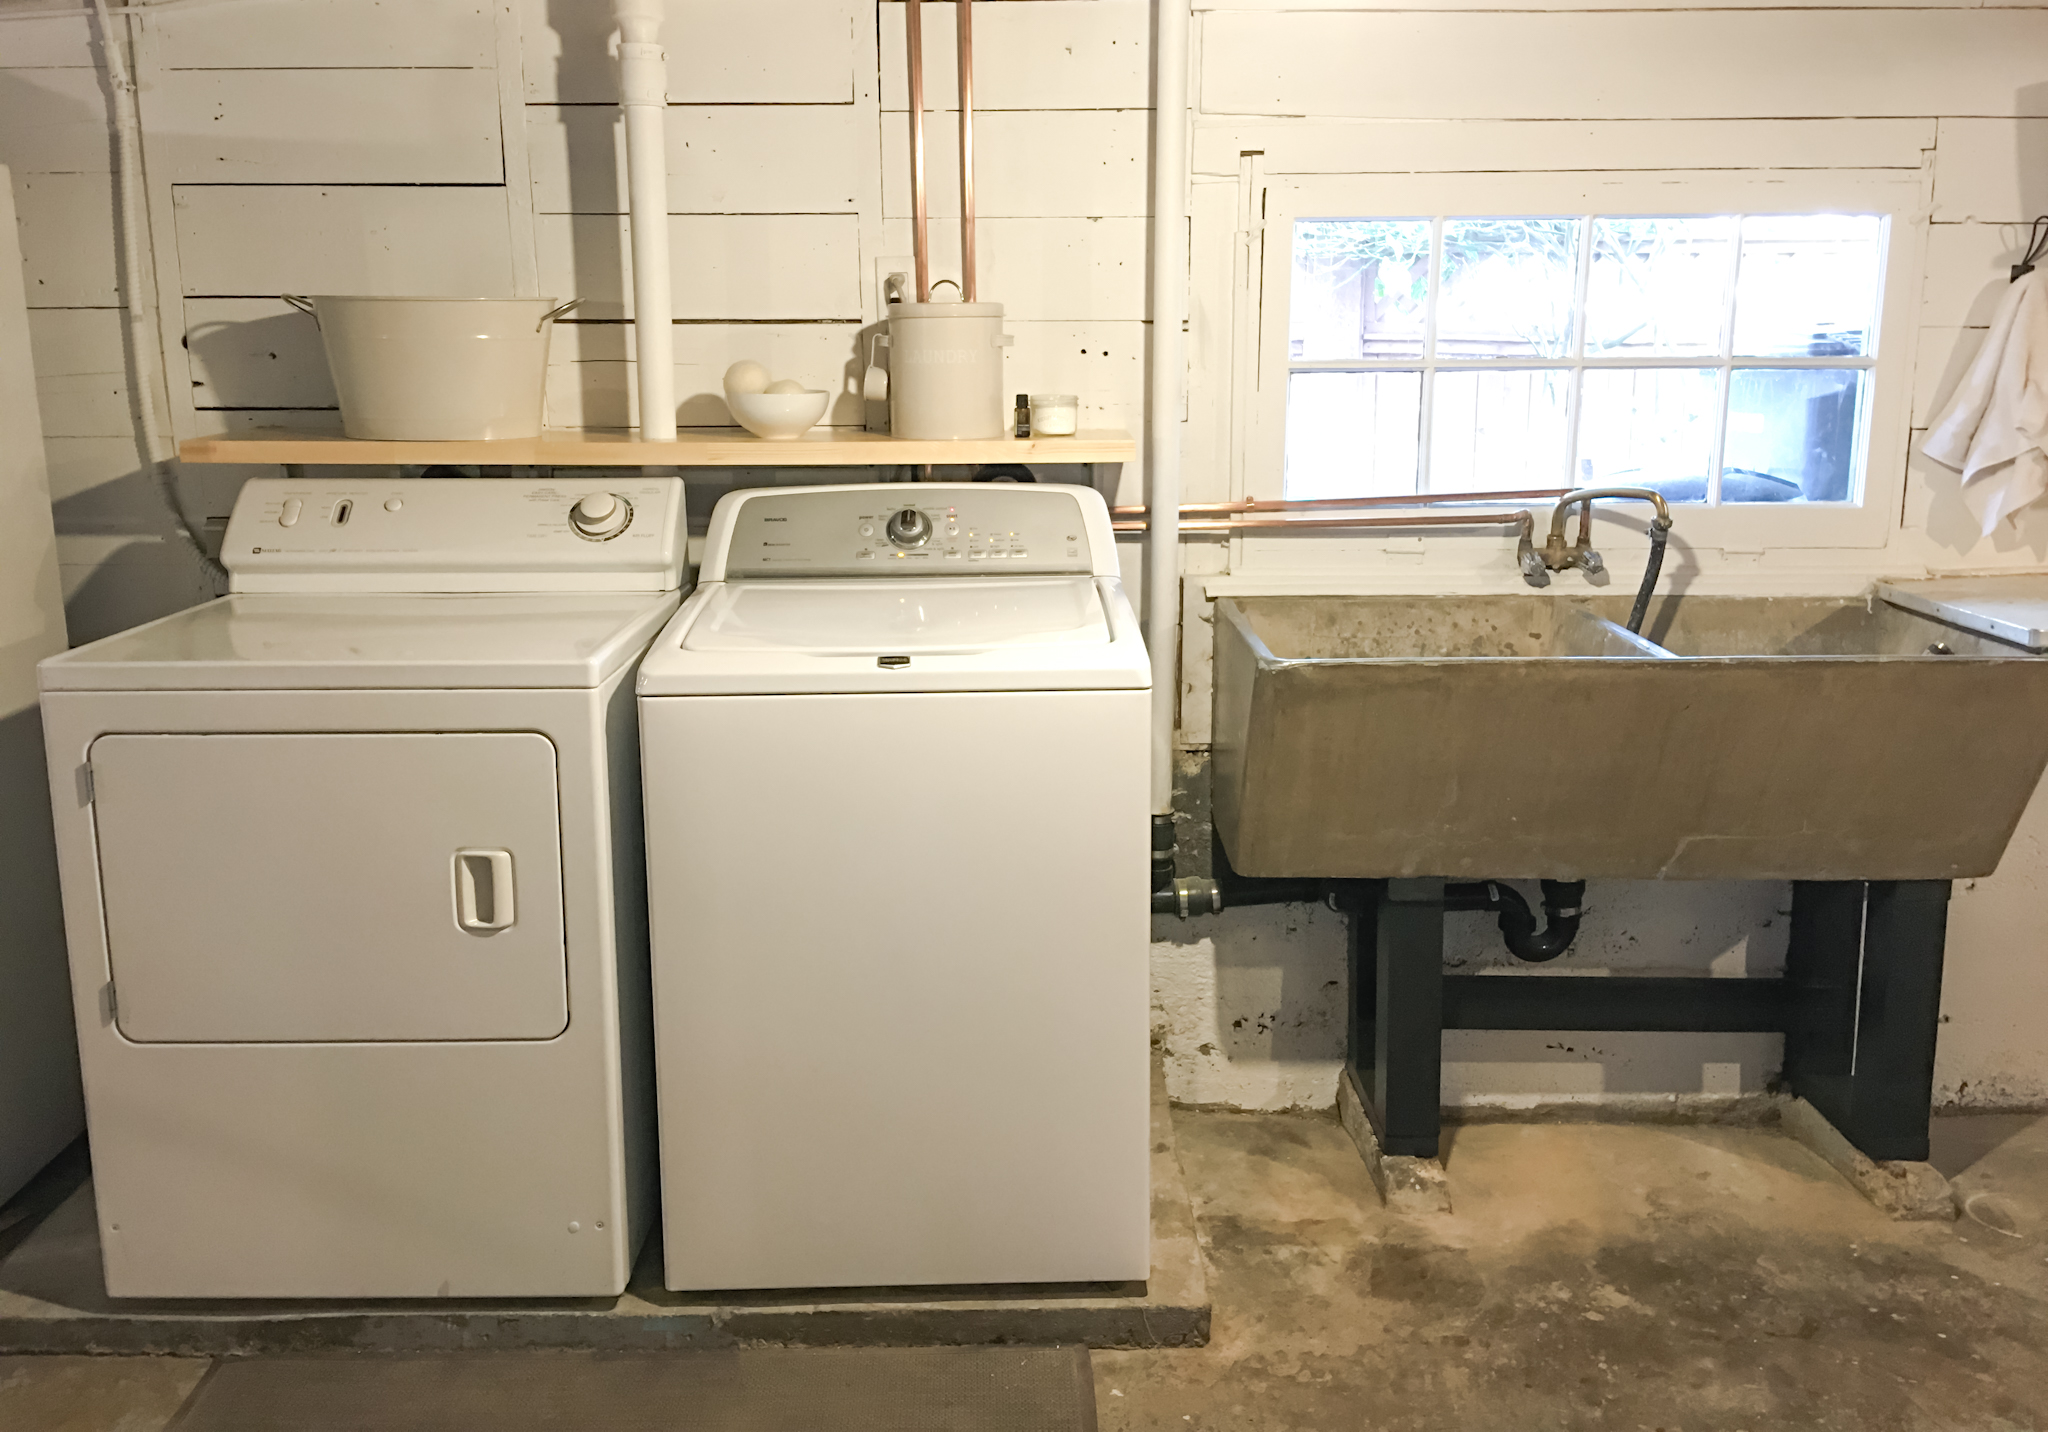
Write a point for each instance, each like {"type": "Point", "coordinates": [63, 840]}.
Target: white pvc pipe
{"type": "Point", "coordinates": [1169, 306]}
{"type": "Point", "coordinates": [643, 91]}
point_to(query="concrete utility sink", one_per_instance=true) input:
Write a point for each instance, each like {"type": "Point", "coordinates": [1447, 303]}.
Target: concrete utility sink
{"type": "Point", "coordinates": [1523, 736]}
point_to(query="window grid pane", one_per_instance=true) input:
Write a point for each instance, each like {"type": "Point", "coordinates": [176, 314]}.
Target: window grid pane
{"type": "Point", "coordinates": [1617, 314]}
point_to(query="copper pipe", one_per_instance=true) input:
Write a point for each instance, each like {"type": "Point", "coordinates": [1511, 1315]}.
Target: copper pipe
{"type": "Point", "coordinates": [966, 60]}
{"type": "Point", "coordinates": [913, 28]}
{"type": "Point", "coordinates": [1302, 524]}
{"type": "Point", "coordinates": [1321, 504]}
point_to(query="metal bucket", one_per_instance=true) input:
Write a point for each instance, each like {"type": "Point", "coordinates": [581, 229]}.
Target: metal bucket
{"type": "Point", "coordinates": [946, 370]}
{"type": "Point", "coordinates": [436, 369]}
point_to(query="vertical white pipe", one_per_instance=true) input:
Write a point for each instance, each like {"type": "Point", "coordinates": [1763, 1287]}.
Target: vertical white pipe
{"type": "Point", "coordinates": [1169, 305]}
{"type": "Point", "coordinates": [643, 91]}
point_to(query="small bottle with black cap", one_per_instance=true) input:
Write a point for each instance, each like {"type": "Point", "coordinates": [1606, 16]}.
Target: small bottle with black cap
{"type": "Point", "coordinates": [1023, 415]}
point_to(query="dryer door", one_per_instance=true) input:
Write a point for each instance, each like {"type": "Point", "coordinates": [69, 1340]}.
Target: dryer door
{"type": "Point", "coordinates": [325, 887]}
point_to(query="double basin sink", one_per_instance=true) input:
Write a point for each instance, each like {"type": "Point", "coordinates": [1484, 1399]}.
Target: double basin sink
{"type": "Point", "coordinates": [1527, 736]}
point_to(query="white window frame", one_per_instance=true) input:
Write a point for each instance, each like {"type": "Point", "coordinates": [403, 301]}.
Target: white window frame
{"type": "Point", "coordinates": [1896, 195]}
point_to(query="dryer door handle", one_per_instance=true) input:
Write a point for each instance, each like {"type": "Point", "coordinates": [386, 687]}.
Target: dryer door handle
{"type": "Point", "coordinates": [484, 901]}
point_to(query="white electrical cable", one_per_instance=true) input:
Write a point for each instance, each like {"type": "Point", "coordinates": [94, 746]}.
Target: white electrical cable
{"type": "Point", "coordinates": [142, 328]}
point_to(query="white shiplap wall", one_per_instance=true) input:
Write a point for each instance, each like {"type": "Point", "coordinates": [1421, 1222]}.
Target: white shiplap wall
{"type": "Point", "coordinates": [460, 146]}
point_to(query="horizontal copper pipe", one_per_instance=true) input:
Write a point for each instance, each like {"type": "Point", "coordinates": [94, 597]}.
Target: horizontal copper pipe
{"type": "Point", "coordinates": [1320, 504]}
{"type": "Point", "coordinates": [1314, 523]}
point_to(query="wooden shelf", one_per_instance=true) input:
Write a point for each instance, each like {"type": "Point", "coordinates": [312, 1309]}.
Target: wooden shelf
{"type": "Point", "coordinates": [699, 447]}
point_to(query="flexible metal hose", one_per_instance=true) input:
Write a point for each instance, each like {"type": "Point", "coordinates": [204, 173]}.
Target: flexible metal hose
{"type": "Point", "coordinates": [1660, 533]}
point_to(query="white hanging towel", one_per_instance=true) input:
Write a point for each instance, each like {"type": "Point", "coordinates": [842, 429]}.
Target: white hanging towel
{"type": "Point", "coordinates": [1994, 428]}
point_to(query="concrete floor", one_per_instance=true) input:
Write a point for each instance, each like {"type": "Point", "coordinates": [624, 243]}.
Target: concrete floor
{"type": "Point", "coordinates": [1703, 1279]}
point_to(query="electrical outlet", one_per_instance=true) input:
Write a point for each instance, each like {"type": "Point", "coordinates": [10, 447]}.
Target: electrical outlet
{"type": "Point", "coordinates": [903, 264]}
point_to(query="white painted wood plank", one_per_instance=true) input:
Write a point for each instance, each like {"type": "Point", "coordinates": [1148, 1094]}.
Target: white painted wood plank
{"type": "Point", "coordinates": [1991, 171]}
{"type": "Point", "coordinates": [81, 372]}
{"type": "Point", "coordinates": [70, 342]}
{"type": "Point", "coordinates": [722, 266]}
{"type": "Point", "coordinates": [53, 121]}
{"type": "Point", "coordinates": [591, 383]}
{"type": "Point", "coordinates": [323, 126]}
{"type": "Point", "coordinates": [1050, 54]}
{"type": "Point", "coordinates": [255, 353]}
{"type": "Point", "coordinates": [1047, 269]}
{"type": "Point", "coordinates": [85, 406]}
{"type": "Point", "coordinates": [326, 34]}
{"type": "Point", "coordinates": [1944, 355]}
{"type": "Point", "coordinates": [267, 239]}
{"type": "Point", "coordinates": [1968, 268]}
{"type": "Point", "coordinates": [242, 420]}
{"type": "Point", "coordinates": [719, 52]}
{"type": "Point", "coordinates": [1586, 66]}
{"type": "Point", "coordinates": [729, 159]}
{"type": "Point", "coordinates": [66, 223]}
{"type": "Point", "coordinates": [80, 467]}
{"type": "Point", "coordinates": [1101, 363]}
{"type": "Point", "coordinates": [1028, 164]}
{"type": "Point", "coordinates": [1486, 146]}
{"type": "Point", "coordinates": [51, 43]}
{"type": "Point", "coordinates": [508, 70]}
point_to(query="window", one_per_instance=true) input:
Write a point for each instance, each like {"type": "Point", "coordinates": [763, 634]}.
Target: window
{"type": "Point", "coordinates": [1723, 359]}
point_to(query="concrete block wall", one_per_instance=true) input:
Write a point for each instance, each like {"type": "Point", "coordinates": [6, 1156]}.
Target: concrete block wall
{"type": "Point", "coordinates": [453, 146]}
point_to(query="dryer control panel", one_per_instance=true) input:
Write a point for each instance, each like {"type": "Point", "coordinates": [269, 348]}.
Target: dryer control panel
{"type": "Point", "coordinates": [612, 531]}
{"type": "Point", "coordinates": [951, 529]}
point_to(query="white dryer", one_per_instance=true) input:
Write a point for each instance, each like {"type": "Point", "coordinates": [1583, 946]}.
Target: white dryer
{"type": "Point", "coordinates": [895, 756]}
{"type": "Point", "coordinates": [354, 895]}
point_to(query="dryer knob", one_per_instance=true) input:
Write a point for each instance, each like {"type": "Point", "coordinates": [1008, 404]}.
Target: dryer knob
{"type": "Point", "coordinates": [601, 514]}
{"type": "Point", "coordinates": [910, 528]}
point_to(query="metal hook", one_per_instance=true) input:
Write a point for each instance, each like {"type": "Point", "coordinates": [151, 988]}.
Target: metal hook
{"type": "Point", "coordinates": [2037, 249]}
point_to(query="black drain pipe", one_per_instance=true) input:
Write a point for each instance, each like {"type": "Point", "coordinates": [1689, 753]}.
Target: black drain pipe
{"type": "Point", "coordinates": [1561, 912]}
{"type": "Point", "coordinates": [1227, 890]}
{"type": "Point", "coordinates": [1188, 896]}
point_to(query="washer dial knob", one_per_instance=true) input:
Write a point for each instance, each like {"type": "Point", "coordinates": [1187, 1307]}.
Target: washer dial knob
{"type": "Point", "coordinates": [909, 528]}
{"type": "Point", "coordinates": [599, 515]}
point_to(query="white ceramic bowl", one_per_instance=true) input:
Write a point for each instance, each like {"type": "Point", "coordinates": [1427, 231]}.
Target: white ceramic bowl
{"type": "Point", "coordinates": [778, 415]}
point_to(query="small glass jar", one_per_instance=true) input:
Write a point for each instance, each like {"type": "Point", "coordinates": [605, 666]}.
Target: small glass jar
{"type": "Point", "coordinates": [1054, 415]}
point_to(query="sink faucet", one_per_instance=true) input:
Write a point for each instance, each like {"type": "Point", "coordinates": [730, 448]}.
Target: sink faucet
{"type": "Point", "coordinates": [1555, 556]}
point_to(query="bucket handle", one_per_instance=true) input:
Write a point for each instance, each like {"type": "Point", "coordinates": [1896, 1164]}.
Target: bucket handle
{"type": "Point", "coordinates": [305, 305]}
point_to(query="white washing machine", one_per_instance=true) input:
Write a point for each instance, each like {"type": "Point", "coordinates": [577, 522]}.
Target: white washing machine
{"type": "Point", "coordinates": [354, 895]}
{"type": "Point", "coordinates": [895, 756]}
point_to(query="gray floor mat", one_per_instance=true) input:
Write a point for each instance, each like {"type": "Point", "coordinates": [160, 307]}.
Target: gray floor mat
{"type": "Point", "coordinates": [742, 1390]}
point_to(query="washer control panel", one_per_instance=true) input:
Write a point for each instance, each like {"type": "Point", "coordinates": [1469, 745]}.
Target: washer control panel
{"type": "Point", "coordinates": [910, 529]}
{"type": "Point", "coordinates": [614, 530]}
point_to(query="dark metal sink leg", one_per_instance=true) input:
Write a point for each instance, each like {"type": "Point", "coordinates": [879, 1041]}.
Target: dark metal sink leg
{"type": "Point", "coordinates": [1395, 1049]}
{"type": "Point", "coordinates": [1864, 968]}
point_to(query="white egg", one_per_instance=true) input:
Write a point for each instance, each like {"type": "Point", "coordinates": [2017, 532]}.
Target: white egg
{"type": "Point", "coordinates": [746, 376]}
{"type": "Point", "coordinates": [785, 385]}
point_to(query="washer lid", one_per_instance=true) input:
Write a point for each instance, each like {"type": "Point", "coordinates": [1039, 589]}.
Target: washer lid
{"type": "Point", "coordinates": [302, 642]}
{"type": "Point", "coordinates": [830, 617]}
{"type": "Point", "coordinates": [820, 635]}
